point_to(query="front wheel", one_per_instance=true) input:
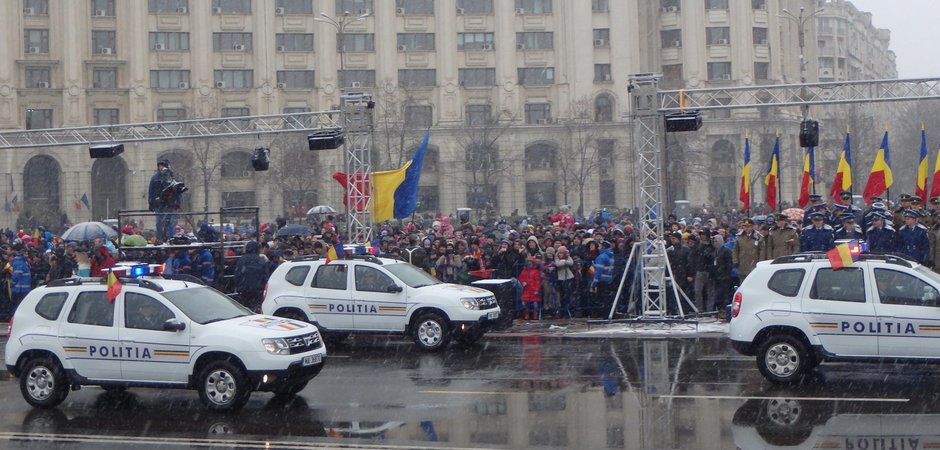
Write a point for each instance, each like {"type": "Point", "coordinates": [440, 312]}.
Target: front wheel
{"type": "Point", "coordinates": [43, 382]}
{"type": "Point", "coordinates": [431, 332]}
{"type": "Point", "coordinates": [223, 386]}
{"type": "Point", "coordinates": [783, 359]}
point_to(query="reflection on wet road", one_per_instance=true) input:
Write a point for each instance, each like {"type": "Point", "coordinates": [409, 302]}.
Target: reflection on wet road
{"type": "Point", "coordinates": [524, 392]}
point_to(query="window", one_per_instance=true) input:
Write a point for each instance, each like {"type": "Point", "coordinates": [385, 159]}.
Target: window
{"type": "Point", "coordinates": [169, 41]}
{"type": "Point", "coordinates": [716, 4]}
{"type": "Point", "coordinates": [363, 78]}
{"type": "Point", "coordinates": [295, 6]}
{"type": "Point", "coordinates": [171, 114]}
{"type": "Point", "coordinates": [844, 285]}
{"type": "Point", "coordinates": [231, 41]}
{"type": "Point", "coordinates": [670, 5]}
{"type": "Point", "coordinates": [540, 157]}
{"type": "Point", "coordinates": [760, 35]}
{"type": "Point", "coordinates": [535, 40]}
{"type": "Point", "coordinates": [234, 79]}
{"type": "Point", "coordinates": [475, 41]}
{"type": "Point", "coordinates": [600, 5]}
{"type": "Point", "coordinates": [539, 195]}
{"type": "Point", "coordinates": [719, 71]}
{"type": "Point", "coordinates": [167, 6]}
{"type": "Point", "coordinates": [101, 8]}
{"type": "Point", "coordinates": [899, 288]}
{"type": "Point", "coordinates": [786, 282]}
{"type": "Point", "coordinates": [718, 35]}
{"type": "Point", "coordinates": [415, 41]}
{"type": "Point", "coordinates": [236, 164]}
{"type": "Point", "coordinates": [37, 77]}
{"type": "Point", "coordinates": [239, 199]}
{"type": "Point", "coordinates": [417, 78]}
{"type": "Point", "coordinates": [671, 38]}
{"type": "Point", "coordinates": [332, 276]}
{"type": "Point", "coordinates": [416, 7]}
{"type": "Point", "coordinates": [535, 6]}
{"type": "Point", "coordinates": [476, 77]}
{"type": "Point", "coordinates": [297, 275]}
{"type": "Point", "coordinates": [107, 116]}
{"type": "Point", "coordinates": [232, 6]}
{"type": "Point", "coordinates": [478, 7]}
{"type": "Point", "coordinates": [104, 41]}
{"type": "Point", "coordinates": [672, 76]}
{"type": "Point", "coordinates": [539, 76]}
{"type": "Point", "coordinates": [369, 279]}
{"type": "Point", "coordinates": [296, 79]}
{"type": "Point", "coordinates": [145, 313]}
{"type": "Point", "coordinates": [758, 4]}
{"type": "Point", "coordinates": [356, 42]}
{"type": "Point", "coordinates": [428, 198]}
{"type": "Point", "coordinates": [418, 116]}
{"type": "Point", "coordinates": [92, 308]}
{"type": "Point", "coordinates": [169, 79]}
{"type": "Point", "coordinates": [604, 108]}
{"type": "Point", "coordinates": [601, 37]}
{"type": "Point", "coordinates": [477, 115]}
{"type": "Point", "coordinates": [36, 7]}
{"type": "Point", "coordinates": [480, 196]}
{"type": "Point", "coordinates": [602, 72]}
{"type": "Point", "coordinates": [50, 305]}
{"type": "Point", "coordinates": [36, 40]}
{"type": "Point", "coordinates": [37, 119]}
{"type": "Point", "coordinates": [236, 112]}
{"type": "Point", "coordinates": [354, 6]}
{"type": "Point", "coordinates": [762, 71]}
{"type": "Point", "coordinates": [294, 42]}
{"type": "Point", "coordinates": [608, 193]}
{"type": "Point", "coordinates": [605, 152]}
{"type": "Point", "coordinates": [536, 113]}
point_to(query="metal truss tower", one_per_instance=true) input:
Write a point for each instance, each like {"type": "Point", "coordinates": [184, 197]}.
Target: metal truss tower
{"type": "Point", "coordinates": [357, 123]}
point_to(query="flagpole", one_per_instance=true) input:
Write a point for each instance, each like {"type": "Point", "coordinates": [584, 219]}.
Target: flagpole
{"type": "Point", "coordinates": [848, 132]}
{"type": "Point", "coordinates": [887, 188]}
{"type": "Point", "coordinates": [779, 177]}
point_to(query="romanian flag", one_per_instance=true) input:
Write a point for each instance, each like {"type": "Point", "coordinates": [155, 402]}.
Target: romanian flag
{"type": "Point", "coordinates": [406, 196]}
{"type": "Point", "coordinates": [844, 254]}
{"type": "Point", "coordinates": [809, 176]}
{"type": "Point", "coordinates": [772, 174]}
{"type": "Point", "coordinates": [935, 187]}
{"type": "Point", "coordinates": [331, 255]}
{"type": "Point", "coordinates": [361, 181]}
{"type": "Point", "coordinates": [114, 287]}
{"type": "Point", "coordinates": [920, 186]}
{"type": "Point", "coordinates": [745, 190]}
{"type": "Point", "coordinates": [880, 177]}
{"type": "Point", "coordinates": [384, 184]}
{"type": "Point", "coordinates": [843, 179]}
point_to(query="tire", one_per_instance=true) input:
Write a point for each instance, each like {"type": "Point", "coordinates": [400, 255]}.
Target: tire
{"type": "Point", "coordinates": [292, 315]}
{"type": "Point", "coordinates": [783, 359]}
{"type": "Point", "coordinates": [43, 383]}
{"type": "Point", "coordinates": [431, 332]}
{"type": "Point", "coordinates": [289, 389]}
{"type": "Point", "coordinates": [223, 386]}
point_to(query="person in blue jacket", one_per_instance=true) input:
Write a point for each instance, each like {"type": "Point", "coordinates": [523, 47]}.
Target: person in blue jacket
{"type": "Point", "coordinates": [912, 239]}
{"type": "Point", "coordinates": [204, 267]}
{"type": "Point", "coordinates": [20, 280]}
{"type": "Point", "coordinates": [602, 287]}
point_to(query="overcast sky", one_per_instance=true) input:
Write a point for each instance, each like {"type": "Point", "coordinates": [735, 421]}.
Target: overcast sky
{"type": "Point", "coordinates": [915, 33]}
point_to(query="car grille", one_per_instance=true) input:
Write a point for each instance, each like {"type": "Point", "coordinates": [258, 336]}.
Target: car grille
{"type": "Point", "coordinates": [488, 302]}
{"type": "Point", "coordinates": [303, 343]}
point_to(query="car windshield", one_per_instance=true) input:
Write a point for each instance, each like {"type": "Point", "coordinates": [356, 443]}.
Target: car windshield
{"type": "Point", "coordinates": [929, 274]}
{"type": "Point", "coordinates": [411, 275]}
{"type": "Point", "coordinates": [206, 305]}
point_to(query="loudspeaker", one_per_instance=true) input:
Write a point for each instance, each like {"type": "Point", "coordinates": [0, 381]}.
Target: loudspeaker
{"type": "Point", "coordinates": [260, 159]}
{"type": "Point", "coordinates": [105, 151]}
{"type": "Point", "coordinates": [326, 140]}
{"type": "Point", "coordinates": [683, 121]}
{"type": "Point", "coordinates": [809, 133]}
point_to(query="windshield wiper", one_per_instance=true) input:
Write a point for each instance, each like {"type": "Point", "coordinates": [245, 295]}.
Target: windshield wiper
{"type": "Point", "coordinates": [421, 285]}
{"type": "Point", "coordinates": [220, 319]}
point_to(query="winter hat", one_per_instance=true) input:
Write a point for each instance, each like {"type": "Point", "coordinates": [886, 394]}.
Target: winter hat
{"type": "Point", "coordinates": [550, 251]}
{"type": "Point", "coordinates": [717, 238]}
{"type": "Point", "coordinates": [562, 249]}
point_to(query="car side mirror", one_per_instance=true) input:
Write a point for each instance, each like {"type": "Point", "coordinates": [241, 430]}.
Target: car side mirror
{"type": "Point", "coordinates": [394, 288]}
{"type": "Point", "coordinates": [173, 325]}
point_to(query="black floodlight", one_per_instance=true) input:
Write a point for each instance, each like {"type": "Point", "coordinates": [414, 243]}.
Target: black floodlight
{"type": "Point", "coordinates": [809, 133]}
{"type": "Point", "coordinates": [326, 139]}
{"type": "Point", "coordinates": [105, 150]}
{"type": "Point", "coordinates": [683, 121]}
{"type": "Point", "coordinates": [260, 159]}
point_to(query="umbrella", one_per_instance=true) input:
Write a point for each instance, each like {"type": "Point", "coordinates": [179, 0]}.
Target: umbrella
{"type": "Point", "coordinates": [293, 230]}
{"type": "Point", "coordinates": [794, 213]}
{"type": "Point", "coordinates": [321, 209]}
{"type": "Point", "coordinates": [88, 231]}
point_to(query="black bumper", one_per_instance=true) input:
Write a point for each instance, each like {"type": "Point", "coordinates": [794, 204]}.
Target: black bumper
{"type": "Point", "coordinates": [295, 373]}
{"type": "Point", "coordinates": [744, 348]}
{"type": "Point", "coordinates": [481, 325]}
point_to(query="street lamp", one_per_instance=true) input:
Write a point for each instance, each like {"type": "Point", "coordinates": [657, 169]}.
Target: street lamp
{"type": "Point", "coordinates": [340, 23]}
{"type": "Point", "coordinates": [801, 21]}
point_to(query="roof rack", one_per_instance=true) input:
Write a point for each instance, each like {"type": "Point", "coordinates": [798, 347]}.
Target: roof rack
{"type": "Point", "coordinates": [369, 258]}
{"type": "Point", "coordinates": [183, 277]}
{"type": "Point", "coordinates": [78, 281]}
{"type": "Point", "coordinates": [890, 258]}
{"type": "Point", "coordinates": [306, 258]}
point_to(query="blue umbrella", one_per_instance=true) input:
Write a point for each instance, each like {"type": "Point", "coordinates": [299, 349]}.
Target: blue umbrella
{"type": "Point", "coordinates": [293, 230]}
{"type": "Point", "coordinates": [88, 231]}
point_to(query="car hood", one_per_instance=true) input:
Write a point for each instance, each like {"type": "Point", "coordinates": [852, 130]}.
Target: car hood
{"type": "Point", "coordinates": [454, 290]}
{"type": "Point", "coordinates": [264, 326]}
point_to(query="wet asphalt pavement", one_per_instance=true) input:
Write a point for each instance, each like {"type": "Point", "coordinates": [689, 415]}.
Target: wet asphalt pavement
{"type": "Point", "coordinates": [515, 392]}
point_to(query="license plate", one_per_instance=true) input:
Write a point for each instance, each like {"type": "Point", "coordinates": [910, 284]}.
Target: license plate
{"type": "Point", "coordinates": [492, 315]}
{"type": "Point", "coordinates": [311, 360]}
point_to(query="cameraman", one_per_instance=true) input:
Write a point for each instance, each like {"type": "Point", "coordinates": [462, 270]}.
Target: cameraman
{"type": "Point", "coordinates": [163, 200]}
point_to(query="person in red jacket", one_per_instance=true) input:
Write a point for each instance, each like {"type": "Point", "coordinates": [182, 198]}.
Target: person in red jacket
{"type": "Point", "coordinates": [101, 261]}
{"type": "Point", "coordinates": [531, 279]}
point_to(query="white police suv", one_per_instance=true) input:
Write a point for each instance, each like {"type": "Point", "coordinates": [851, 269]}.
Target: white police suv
{"type": "Point", "coordinates": [156, 333]}
{"type": "Point", "coordinates": [795, 312]}
{"type": "Point", "coordinates": [366, 294]}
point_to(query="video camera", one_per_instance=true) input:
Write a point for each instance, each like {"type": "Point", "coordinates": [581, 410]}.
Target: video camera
{"type": "Point", "coordinates": [173, 190]}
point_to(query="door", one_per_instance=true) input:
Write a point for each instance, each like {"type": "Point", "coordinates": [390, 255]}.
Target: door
{"type": "Point", "coordinates": [907, 313]}
{"type": "Point", "coordinates": [840, 310]}
{"type": "Point", "coordinates": [329, 299]}
{"type": "Point", "coordinates": [381, 304]}
{"type": "Point", "coordinates": [152, 354]}
{"type": "Point", "coordinates": [90, 338]}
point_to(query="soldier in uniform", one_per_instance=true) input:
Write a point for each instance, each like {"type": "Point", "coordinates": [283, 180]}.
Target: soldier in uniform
{"type": "Point", "coordinates": [930, 220]}
{"type": "Point", "coordinates": [848, 230]}
{"type": "Point", "coordinates": [918, 205]}
{"type": "Point", "coordinates": [912, 240]}
{"type": "Point", "coordinates": [784, 239]}
{"type": "Point", "coordinates": [898, 216]}
{"type": "Point", "coordinates": [748, 247]}
{"type": "Point", "coordinates": [816, 204]}
{"type": "Point", "coordinates": [880, 235]}
{"type": "Point", "coordinates": [877, 208]}
{"type": "Point", "coordinates": [817, 237]}
{"type": "Point", "coordinates": [846, 198]}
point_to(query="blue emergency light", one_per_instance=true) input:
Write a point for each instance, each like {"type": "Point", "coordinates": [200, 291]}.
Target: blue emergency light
{"type": "Point", "coordinates": [140, 270]}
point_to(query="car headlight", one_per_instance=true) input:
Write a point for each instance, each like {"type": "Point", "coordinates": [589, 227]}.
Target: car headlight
{"type": "Point", "coordinates": [276, 346]}
{"type": "Point", "coordinates": [470, 303]}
